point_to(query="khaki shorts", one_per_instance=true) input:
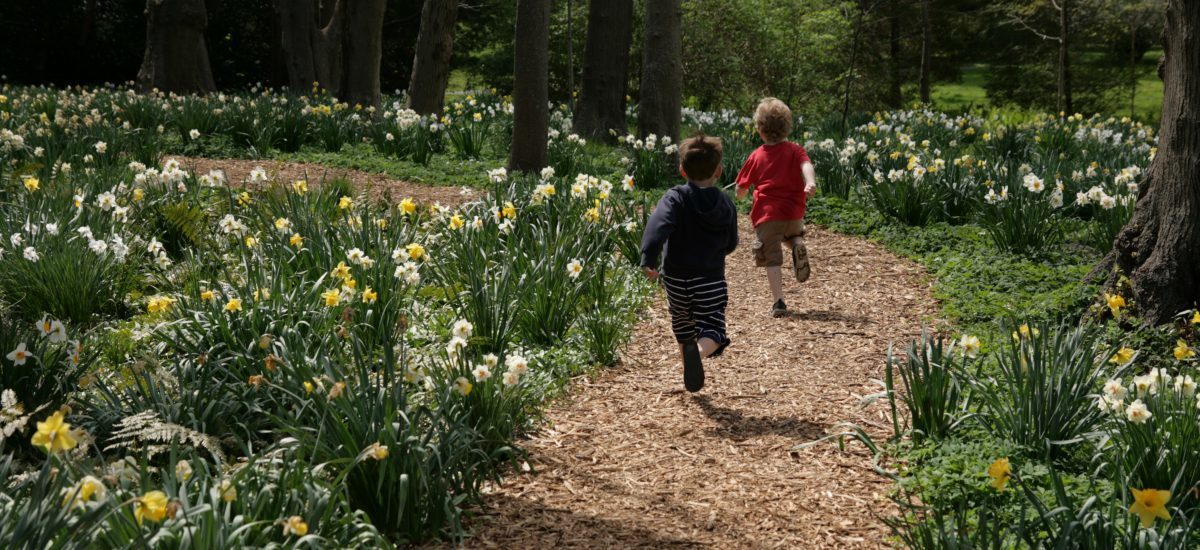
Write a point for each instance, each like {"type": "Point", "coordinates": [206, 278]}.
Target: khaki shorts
{"type": "Point", "coordinates": [770, 235]}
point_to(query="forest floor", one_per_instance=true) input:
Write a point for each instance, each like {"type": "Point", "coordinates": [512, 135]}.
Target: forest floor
{"type": "Point", "coordinates": [630, 459]}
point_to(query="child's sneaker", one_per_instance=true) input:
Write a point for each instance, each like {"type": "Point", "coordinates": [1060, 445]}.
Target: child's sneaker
{"type": "Point", "coordinates": [800, 260]}
{"type": "Point", "coordinates": [693, 367]}
{"type": "Point", "coordinates": [779, 309]}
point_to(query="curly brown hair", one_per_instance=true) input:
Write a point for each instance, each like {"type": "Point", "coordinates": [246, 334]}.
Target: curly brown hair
{"type": "Point", "coordinates": [773, 119]}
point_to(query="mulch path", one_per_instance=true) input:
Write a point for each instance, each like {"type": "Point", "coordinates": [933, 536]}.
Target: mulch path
{"type": "Point", "coordinates": [629, 459]}
{"type": "Point", "coordinates": [237, 171]}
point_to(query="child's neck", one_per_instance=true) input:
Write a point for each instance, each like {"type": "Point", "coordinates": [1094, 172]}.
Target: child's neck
{"type": "Point", "coordinates": [704, 184]}
{"type": "Point", "coordinates": [776, 142]}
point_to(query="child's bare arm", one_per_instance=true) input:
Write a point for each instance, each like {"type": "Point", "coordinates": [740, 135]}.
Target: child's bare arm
{"type": "Point", "coordinates": [810, 179]}
{"type": "Point", "coordinates": [741, 192]}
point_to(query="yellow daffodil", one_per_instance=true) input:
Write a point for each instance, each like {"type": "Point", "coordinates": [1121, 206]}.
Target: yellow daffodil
{"type": "Point", "coordinates": [244, 198]}
{"type": "Point", "coordinates": [32, 184]}
{"type": "Point", "coordinates": [381, 223]}
{"type": "Point", "coordinates": [1024, 332]}
{"type": "Point", "coordinates": [336, 391]}
{"type": "Point", "coordinates": [151, 506]}
{"type": "Point", "coordinates": [159, 304]}
{"type": "Point", "coordinates": [456, 222]}
{"type": "Point", "coordinates": [1122, 357]}
{"type": "Point", "coordinates": [1115, 303]}
{"type": "Point", "coordinates": [1149, 504]}
{"type": "Point", "coordinates": [376, 451]}
{"type": "Point", "coordinates": [296, 240]}
{"type": "Point", "coordinates": [251, 241]}
{"type": "Point", "coordinates": [54, 435]}
{"type": "Point", "coordinates": [415, 251]}
{"type": "Point", "coordinates": [300, 186]}
{"type": "Point", "coordinates": [85, 491]}
{"type": "Point", "coordinates": [407, 206]}
{"type": "Point", "coordinates": [295, 526]}
{"type": "Point", "coordinates": [138, 195]}
{"type": "Point", "coordinates": [1196, 317]}
{"type": "Point", "coordinates": [341, 271]}
{"type": "Point", "coordinates": [592, 215]}
{"type": "Point", "coordinates": [1000, 471]}
{"type": "Point", "coordinates": [1183, 352]}
{"type": "Point", "coordinates": [332, 297]}
{"type": "Point", "coordinates": [227, 490]}
{"type": "Point", "coordinates": [207, 295]}
{"type": "Point", "coordinates": [509, 210]}
{"type": "Point", "coordinates": [369, 296]}
{"type": "Point", "coordinates": [308, 387]}
{"type": "Point", "coordinates": [233, 305]}
{"type": "Point", "coordinates": [345, 203]}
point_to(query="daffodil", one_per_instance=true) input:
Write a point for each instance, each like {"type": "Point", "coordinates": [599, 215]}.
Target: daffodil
{"type": "Point", "coordinates": [227, 490]}
{"type": "Point", "coordinates": [233, 305]}
{"type": "Point", "coordinates": [376, 451]}
{"type": "Point", "coordinates": [341, 271]}
{"type": "Point", "coordinates": [150, 506]}
{"type": "Point", "coordinates": [415, 251]}
{"type": "Point", "coordinates": [207, 295]}
{"type": "Point", "coordinates": [54, 435]}
{"type": "Point", "coordinates": [345, 203]}
{"type": "Point", "coordinates": [18, 356]}
{"type": "Point", "coordinates": [332, 297]}
{"type": "Point", "coordinates": [1137, 412]}
{"type": "Point", "coordinates": [407, 206]}
{"type": "Point", "coordinates": [308, 387]}
{"type": "Point", "coordinates": [89, 488]}
{"type": "Point", "coordinates": [1183, 351]}
{"type": "Point", "coordinates": [295, 526]}
{"type": "Point", "coordinates": [509, 210]}
{"type": "Point", "coordinates": [1115, 303]}
{"type": "Point", "coordinates": [244, 198]}
{"type": "Point", "coordinates": [300, 186]}
{"type": "Point", "coordinates": [159, 304]}
{"type": "Point", "coordinates": [1196, 317]}
{"type": "Point", "coordinates": [296, 240]}
{"type": "Point", "coordinates": [463, 386]}
{"type": "Point", "coordinates": [1150, 504]}
{"type": "Point", "coordinates": [1122, 357]}
{"type": "Point", "coordinates": [574, 268]}
{"type": "Point", "coordinates": [183, 470]}
{"type": "Point", "coordinates": [1000, 471]}
{"type": "Point", "coordinates": [970, 345]}
{"type": "Point", "coordinates": [369, 295]}
{"type": "Point", "coordinates": [456, 222]}
{"type": "Point", "coordinates": [31, 184]}
{"type": "Point", "coordinates": [257, 380]}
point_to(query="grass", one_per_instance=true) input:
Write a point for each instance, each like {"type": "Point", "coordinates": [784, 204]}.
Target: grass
{"type": "Point", "coordinates": [969, 91]}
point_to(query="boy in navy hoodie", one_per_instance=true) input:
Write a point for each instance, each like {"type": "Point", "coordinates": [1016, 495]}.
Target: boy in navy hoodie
{"type": "Point", "coordinates": [698, 224]}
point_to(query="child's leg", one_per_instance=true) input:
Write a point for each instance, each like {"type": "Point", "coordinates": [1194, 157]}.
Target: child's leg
{"type": "Point", "coordinates": [768, 253]}
{"type": "Point", "coordinates": [775, 279]}
{"type": "Point", "coordinates": [709, 312]}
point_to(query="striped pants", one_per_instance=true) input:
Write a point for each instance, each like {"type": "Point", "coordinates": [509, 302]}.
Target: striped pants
{"type": "Point", "coordinates": [697, 306]}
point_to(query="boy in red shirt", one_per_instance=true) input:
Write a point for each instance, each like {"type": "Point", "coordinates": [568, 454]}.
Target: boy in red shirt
{"type": "Point", "coordinates": [783, 179]}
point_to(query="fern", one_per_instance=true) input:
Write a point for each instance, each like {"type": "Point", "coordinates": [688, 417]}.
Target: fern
{"type": "Point", "coordinates": [184, 222]}
{"type": "Point", "coordinates": [146, 430]}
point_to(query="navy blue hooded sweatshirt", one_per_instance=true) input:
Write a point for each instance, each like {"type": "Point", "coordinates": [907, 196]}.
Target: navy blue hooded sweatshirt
{"type": "Point", "coordinates": [698, 225]}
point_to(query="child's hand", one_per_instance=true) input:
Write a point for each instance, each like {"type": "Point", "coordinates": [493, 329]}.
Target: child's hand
{"type": "Point", "coordinates": [650, 273]}
{"type": "Point", "coordinates": [810, 189]}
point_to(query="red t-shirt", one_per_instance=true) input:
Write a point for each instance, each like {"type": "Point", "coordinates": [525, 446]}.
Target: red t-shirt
{"type": "Point", "coordinates": [776, 173]}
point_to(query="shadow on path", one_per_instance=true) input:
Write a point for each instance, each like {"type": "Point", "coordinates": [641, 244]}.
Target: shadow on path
{"type": "Point", "coordinates": [733, 424]}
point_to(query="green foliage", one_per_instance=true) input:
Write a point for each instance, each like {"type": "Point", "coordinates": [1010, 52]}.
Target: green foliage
{"type": "Point", "coordinates": [932, 395]}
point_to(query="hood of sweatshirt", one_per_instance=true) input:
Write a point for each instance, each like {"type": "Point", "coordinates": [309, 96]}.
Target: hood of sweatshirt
{"type": "Point", "coordinates": [705, 204]}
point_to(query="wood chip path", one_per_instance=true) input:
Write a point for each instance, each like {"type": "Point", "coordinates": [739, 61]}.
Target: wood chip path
{"type": "Point", "coordinates": [630, 460]}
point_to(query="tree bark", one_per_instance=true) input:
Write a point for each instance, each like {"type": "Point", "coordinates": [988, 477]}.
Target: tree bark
{"type": "Point", "coordinates": [1159, 248]}
{"type": "Point", "coordinates": [661, 91]}
{"type": "Point", "coordinates": [531, 93]}
{"type": "Point", "coordinates": [362, 52]}
{"type": "Point", "coordinates": [1066, 105]}
{"type": "Point", "coordinates": [176, 57]}
{"type": "Point", "coordinates": [601, 107]}
{"type": "Point", "coordinates": [431, 63]}
{"type": "Point", "coordinates": [895, 97]}
{"type": "Point", "coordinates": [926, 51]}
{"type": "Point", "coordinates": [310, 37]}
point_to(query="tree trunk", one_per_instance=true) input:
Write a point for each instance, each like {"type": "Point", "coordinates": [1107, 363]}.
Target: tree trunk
{"type": "Point", "coordinates": [1160, 247]}
{"type": "Point", "coordinates": [926, 51]}
{"type": "Point", "coordinates": [1066, 105]}
{"type": "Point", "coordinates": [531, 93]}
{"type": "Point", "coordinates": [362, 52]}
{"type": "Point", "coordinates": [601, 107]}
{"type": "Point", "coordinates": [431, 63]}
{"type": "Point", "coordinates": [895, 97]}
{"type": "Point", "coordinates": [176, 58]}
{"type": "Point", "coordinates": [310, 37]}
{"type": "Point", "coordinates": [661, 91]}
{"type": "Point", "coordinates": [1133, 79]}
{"type": "Point", "coordinates": [850, 72]}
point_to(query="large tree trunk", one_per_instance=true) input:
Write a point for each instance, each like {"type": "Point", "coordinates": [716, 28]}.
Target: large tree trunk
{"type": "Point", "coordinates": [1160, 247]}
{"type": "Point", "coordinates": [661, 90]}
{"type": "Point", "coordinates": [895, 97]}
{"type": "Point", "coordinates": [601, 107]}
{"type": "Point", "coordinates": [176, 58]}
{"type": "Point", "coordinates": [1065, 104]}
{"type": "Point", "coordinates": [362, 52]}
{"type": "Point", "coordinates": [926, 51]}
{"type": "Point", "coordinates": [431, 63]}
{"type": "Point", "coordinates": [310, 37]}
{"type": "Point", "coordinates": [531, 93]}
